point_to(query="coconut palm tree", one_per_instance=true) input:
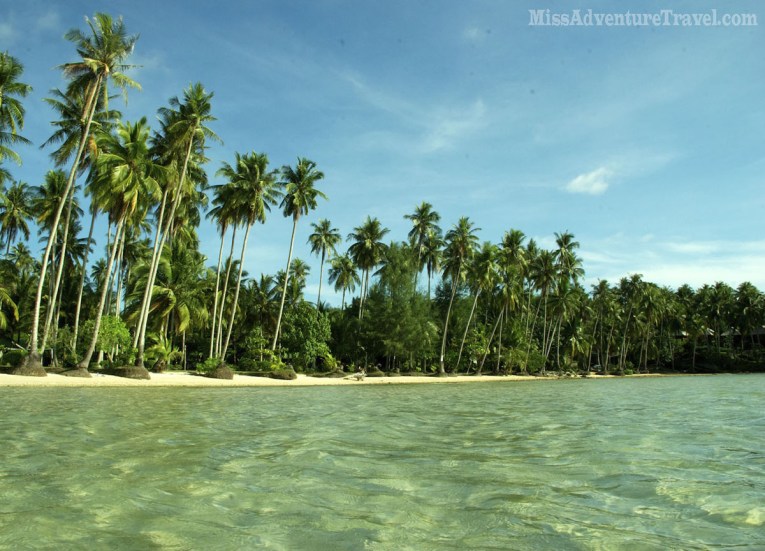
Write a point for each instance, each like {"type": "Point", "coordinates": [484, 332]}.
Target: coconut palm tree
{"type": "Point", "coordinates": [11, 109]}
{"type": "Point", "coordinates": [424, 230]}
{"type": "Point", "coordinates": [184, 133]}
{"type": "Point", "coordinates": [483, 272]}
{"type": "Point", "coordinates": [126, 162]}
{"type": "Point", "coordinates": [15, 211]}
{"type": "Point", "coordinates": [255, 192]}
{"type": "Point", "coordinates": [300, 198]}
{"type": "Point", "coordinates": [432, 254]}
{"type": "Point", "coordinates": [367, 250]}
{"type": "Point", "coordinates": [324, 239]}
{"type": "Point", "coordinates": [461, 241]}
{"type": "Point", "coordinates": [102, 55]}
{"type": "Point", "coordinates": [343, 274]}
{"type": "Point", "coordinates": [224, 213]}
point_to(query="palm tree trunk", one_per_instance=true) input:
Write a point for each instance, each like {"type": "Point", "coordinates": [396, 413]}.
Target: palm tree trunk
{"type": "Point", "coordinates": [467, 327]}
{"type": "Point", "coordinates": [219, 335]}
{"type": "Point", "coordinates": [441, 369]}
{"type": "Point", "coordinates": [155, 248]}
{"type": "Point", "coordinates": [99, 311]}
{"type": "Point", "coordinates": [82, 282]}
{"type": "Point", "coordinates": [284, 290]}
{"type": "Point", "coordinates": [217, 286]}
{"type": "Point", "coordinates": [163, 239]}
{"type": "Point", "coordinates": [119, 272]}
{"type": "Point", "coordinates": [33, 359]}
{"type": "Point", "coordinates": [491, 338]}
{"type": "Point", "coordinates": [236, 294]}
{"type": "Point", "coordinates": [499, 342]}
{"type": "Point", "coordinates": [321, 276]}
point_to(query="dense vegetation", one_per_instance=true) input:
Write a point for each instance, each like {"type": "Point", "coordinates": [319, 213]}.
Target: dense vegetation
{"type": "Point", "coordinates": [436, 302]}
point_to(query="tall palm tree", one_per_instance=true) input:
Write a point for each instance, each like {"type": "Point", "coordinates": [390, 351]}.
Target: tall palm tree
{"type": "Point", "coordinates": [483, 271]}
{"type": "Point", "coordinates": [543, 274]}
{"type": "Point", "coordinates": [102, 55]}
{"type": "Point", "coordinates": [126, 162]}
{"type": "Point", "coordinates": [11, 109]}
{"type": "Point", "coordinates": [300, 198]}
{"type": "Point", "coordinates": [324, 239]}
{"type": "Point", "coordinates": [224, 213]}
{"type": "Point", "coordinates": [424, 230]}
{"type": "Point", "coordinates": [184, 133]}
{"type": "Point", "coordinates": [432, 254]}
{"type": "Point", "coordinates": [461, 241]}
{"type": "Point", "coordinates": [15, 210]}
{"type": "Point", "coordinates": [343, 274]}
{"type": "Point", "coordinates": [255, 192]}
{"type": "Point", "coordinates": [367, 250]}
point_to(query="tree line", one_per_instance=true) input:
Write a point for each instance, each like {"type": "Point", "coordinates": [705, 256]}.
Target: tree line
{"type": "Point", "coordinates": [435, 302]}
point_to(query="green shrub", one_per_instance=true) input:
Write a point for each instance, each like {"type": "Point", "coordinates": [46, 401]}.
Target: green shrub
{"type": "Point", "coordinates": [12, 357]}
{"type": "Point", "coordinates": [209, 365]}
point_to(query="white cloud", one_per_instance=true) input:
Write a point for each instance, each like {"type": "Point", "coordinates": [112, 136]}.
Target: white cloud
{"type": "Point", "coordinates": [447, 130]}
{"type": "Point", "coordinates": [590, 183]}
{"type": "Point", "coordinates": [474, 34]}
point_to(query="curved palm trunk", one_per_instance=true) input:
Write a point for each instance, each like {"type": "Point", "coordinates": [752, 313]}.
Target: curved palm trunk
{"type": "Point", "coordinates": [59, 274]}
{"type": "Point", "coordinates": [163, 239]}
{"type": "Point", "coordinates": [32, 361]}
{"type": "Point", "coordinates": [491, 338]}
{"type": "Point", "coordinates": [284, 290]}
{"type": "Point", "coordinates": [236, 293]}
{"type": "Point", "coordinates": [145, 299]}
{"type": "Point", "coordinates": [215, 301]}
{"type": "Point", "coordinates": [441, 369]}
{"type": "Point", "coordinates": [467, 328]}
{"type": "Point", "coordinates": [219, 335]}
{"type": "Point", "coordinates": [99, 311]}
{"type": "Point", "coordinates": [499, 342]}
{"type": "Point", "coordinates": [82, 283]}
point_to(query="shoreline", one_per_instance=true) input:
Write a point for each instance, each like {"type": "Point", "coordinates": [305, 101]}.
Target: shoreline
{"type": "Point", "coordinates": [191, 380]}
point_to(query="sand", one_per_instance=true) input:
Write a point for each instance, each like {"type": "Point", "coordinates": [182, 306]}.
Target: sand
{"type": "Point", "coordinates": [188, 379]}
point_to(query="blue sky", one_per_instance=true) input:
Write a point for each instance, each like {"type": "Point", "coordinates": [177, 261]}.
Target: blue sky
{"type": "Point", "coordinates": [645, 143]}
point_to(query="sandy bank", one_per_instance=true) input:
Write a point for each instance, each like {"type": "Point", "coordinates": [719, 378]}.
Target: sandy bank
{"type": "Point", "coordinates": [181, 379]}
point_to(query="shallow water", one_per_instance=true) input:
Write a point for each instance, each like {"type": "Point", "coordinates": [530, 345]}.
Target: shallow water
{"type": "Point", "coordinates": [664, 463]}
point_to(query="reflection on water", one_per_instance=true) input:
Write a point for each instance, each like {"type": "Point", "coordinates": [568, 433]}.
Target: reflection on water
{"type": "Point", "coordinates": [610, 464]}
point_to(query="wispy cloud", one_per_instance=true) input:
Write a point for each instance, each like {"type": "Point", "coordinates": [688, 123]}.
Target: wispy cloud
{"type": "Point", "coordinates": [49, 21]}
{"type": "Point", "coordinates": [591, 183]}
{"type": "Point", "coordinates": [7, 33]}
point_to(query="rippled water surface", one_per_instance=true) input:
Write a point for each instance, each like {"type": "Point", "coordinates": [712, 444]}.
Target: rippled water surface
{"type": "Point", "coordinates": [666, 463]}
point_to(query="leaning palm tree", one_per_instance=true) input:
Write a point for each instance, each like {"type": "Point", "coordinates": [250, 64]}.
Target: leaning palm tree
{"type": "Point", "coordinates": [343, 274]}
{"type": "Point", "coordinates": [124, 161]}
{"type": "Point", "coordinates": [184, 133]}
{"type": "Point", "coordinates": [483, 270]}
{"type": "Point", "coordinates": [460, 245]}
{"type": "Point", "coordinates": [300, 196]}
{"type": "Point", "coordinates": [367, 251]}
{"type": "Point", "coordinates": [324, 239]}
{"type": "Point", "coordinates": [102, 59]}
{"type": "Point", "coordinates": [255, 192]}
{"type": "Point", "coordinates": [224, 213]}
{"type": "Point", "coordinates": [11, 109]}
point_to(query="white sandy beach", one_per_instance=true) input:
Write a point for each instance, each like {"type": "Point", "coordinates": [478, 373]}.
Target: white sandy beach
{"type": "Point", "coordinates": [189, 379]}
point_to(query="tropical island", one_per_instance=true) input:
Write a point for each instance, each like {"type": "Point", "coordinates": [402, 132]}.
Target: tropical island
{"type": "Point", "coordinates": [435, 302]}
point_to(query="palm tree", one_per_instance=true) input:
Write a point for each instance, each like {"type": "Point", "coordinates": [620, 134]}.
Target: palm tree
{"type": "Point", "coordinates": [424, 231]}
{"type": "Point", "coordinates": [184, 133]}
{"type": "Point", "coordinates": [324, 239]}
{"type": "Point", "coordinates": [543, 275]}
{"type": "Point", "coordinates": [11, 109]}
{"type": "Point", "coordinates": [299, 198]}
{"type": "Point", "coordinates": [224, 213]}
{"type": "Point", "coordinates": [367, 250]}
{"type": "Point", "coordinates": [102, 55]}
{"type": "Point", "coordinates": [432, 254]}
{"type": "Point", "coordinates": [126, 162]}
{"type": "Point", "coordinates": [15, 210]}
{"type": "Point", "coordinates": [343, 274]}
{"type": "Point", "coordinates": [255, 192]}
{"type": "Point", "coordinates": [461, 241]}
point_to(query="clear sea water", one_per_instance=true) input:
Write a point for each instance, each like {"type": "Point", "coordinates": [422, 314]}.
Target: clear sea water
{"type": "Point", "coordinates": [659, 463]}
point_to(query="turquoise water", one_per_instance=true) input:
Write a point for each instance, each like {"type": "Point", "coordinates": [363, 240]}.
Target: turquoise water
{"type": "Point", "coordinates": [665, 463]}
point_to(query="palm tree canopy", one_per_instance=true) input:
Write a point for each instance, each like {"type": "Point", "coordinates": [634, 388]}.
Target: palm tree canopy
{"type": "Point", "coordinates": [253, 188]}
{"type": "Point", "coordinates": [461, 241]}
{"type": "Point", "coordinates": [11, 110]}
{"type": "Point", "coordinates": [367, 248]}
{"type": "Point", "coordinates": [324, 238]}
{"type": "Point", "coordinates": [300, 193]}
